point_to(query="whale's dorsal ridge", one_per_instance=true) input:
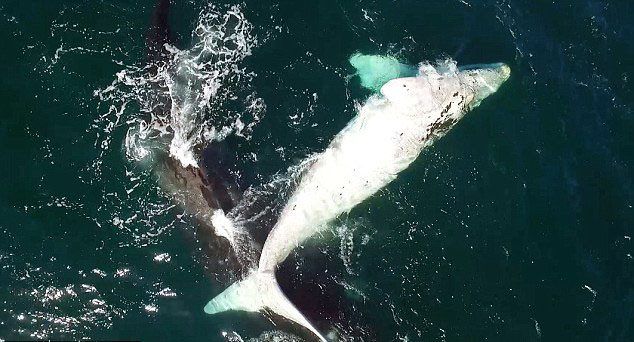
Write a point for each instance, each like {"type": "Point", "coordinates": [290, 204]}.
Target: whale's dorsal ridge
{"type": "Point", "coordinates": [410, 91]}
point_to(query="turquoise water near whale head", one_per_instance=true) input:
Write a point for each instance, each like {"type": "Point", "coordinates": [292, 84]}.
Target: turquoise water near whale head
{"type": "Point", "coordinates": [515, 225]}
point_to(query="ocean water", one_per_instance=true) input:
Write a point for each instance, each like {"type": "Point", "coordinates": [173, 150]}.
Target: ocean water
{"type": "Point", "coordinates": [516, 225]}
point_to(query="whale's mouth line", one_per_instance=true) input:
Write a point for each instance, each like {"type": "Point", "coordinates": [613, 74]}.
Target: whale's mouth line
{"type": "Point", "coordinates": [478, 66]}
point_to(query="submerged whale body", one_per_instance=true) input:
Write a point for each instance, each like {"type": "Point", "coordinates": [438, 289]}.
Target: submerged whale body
{"type": "Point", "coordinates": [388, 133]}
{"type": "Point", "coordinates": [205, 190]}
{"type": "Point", "coordinates": [384, 138]}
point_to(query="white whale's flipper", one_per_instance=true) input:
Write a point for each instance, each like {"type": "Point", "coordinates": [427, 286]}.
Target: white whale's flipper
{"type": "Point", "coordinates": [257, 292]}
{"type": "Point", "coordinates": [386, 136]}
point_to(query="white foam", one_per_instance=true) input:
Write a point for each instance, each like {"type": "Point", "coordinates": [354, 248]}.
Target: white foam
{"type": "Point", "coordinates": [176, 106]}
{"type": "Point", "coordinates": [195, 85]}
{"type": "Point", "coordinates": [223, 226]}
{"type": "Point", "coordinates": [201, 73]}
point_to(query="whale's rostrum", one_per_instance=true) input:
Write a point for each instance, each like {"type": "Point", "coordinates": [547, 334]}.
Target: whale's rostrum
{"type": "Point", "coordinates": [384, 138]}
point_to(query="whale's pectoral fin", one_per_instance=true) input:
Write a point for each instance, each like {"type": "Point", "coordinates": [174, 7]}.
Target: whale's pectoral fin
{"type": "Point", "coordinates": [257, 292]}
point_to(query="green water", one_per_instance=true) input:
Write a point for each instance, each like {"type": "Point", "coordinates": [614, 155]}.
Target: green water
{"type": "Point", "coordinates": [516, 225]}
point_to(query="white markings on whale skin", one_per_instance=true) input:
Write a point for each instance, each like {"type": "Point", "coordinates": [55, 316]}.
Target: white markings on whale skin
{"type": "Point", "coordinates": [385, 137]}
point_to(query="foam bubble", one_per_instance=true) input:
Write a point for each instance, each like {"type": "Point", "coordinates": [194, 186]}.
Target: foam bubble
{"type": "Point", "coordinates": [175, 106]}
{"type": "Point", "coordinates": [194, 96]}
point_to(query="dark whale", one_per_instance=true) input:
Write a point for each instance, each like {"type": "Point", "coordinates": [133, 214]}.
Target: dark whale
{"type": "Point", "coordinates": [198, 190]}
{"type": "Point", "coordinates": [210, 187]}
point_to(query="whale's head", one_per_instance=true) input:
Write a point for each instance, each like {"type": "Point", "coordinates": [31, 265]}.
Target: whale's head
{"type": "Point", "coordinates": [441, 95]}
{"type": "Point", "coordinates": [483, 80]}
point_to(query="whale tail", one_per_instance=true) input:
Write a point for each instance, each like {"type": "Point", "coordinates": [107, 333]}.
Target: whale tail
{"type": "Point", "coordinates": [259, 291]}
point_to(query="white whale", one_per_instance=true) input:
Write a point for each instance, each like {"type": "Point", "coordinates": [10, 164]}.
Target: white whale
{"type": "Point", "coordinates": [386, 136]}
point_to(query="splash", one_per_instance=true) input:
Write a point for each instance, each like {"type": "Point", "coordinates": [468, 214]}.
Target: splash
{"type": "Point", "coordinates": [376, 70]}
{"type": "Point", "coordinates": [175, 106]}
{"type": "Point", "coordinates": [195, 96]}
{"type": "Point", "coordinates": [260, 203]}
{"type": "Point", "coordinates": [199, 80]}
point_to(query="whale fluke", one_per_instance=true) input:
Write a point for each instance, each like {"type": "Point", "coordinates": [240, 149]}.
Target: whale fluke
{"type": "Point", "coordinates": [387, 135]}
{"type": "Point", "coordinates": [259, 291]}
